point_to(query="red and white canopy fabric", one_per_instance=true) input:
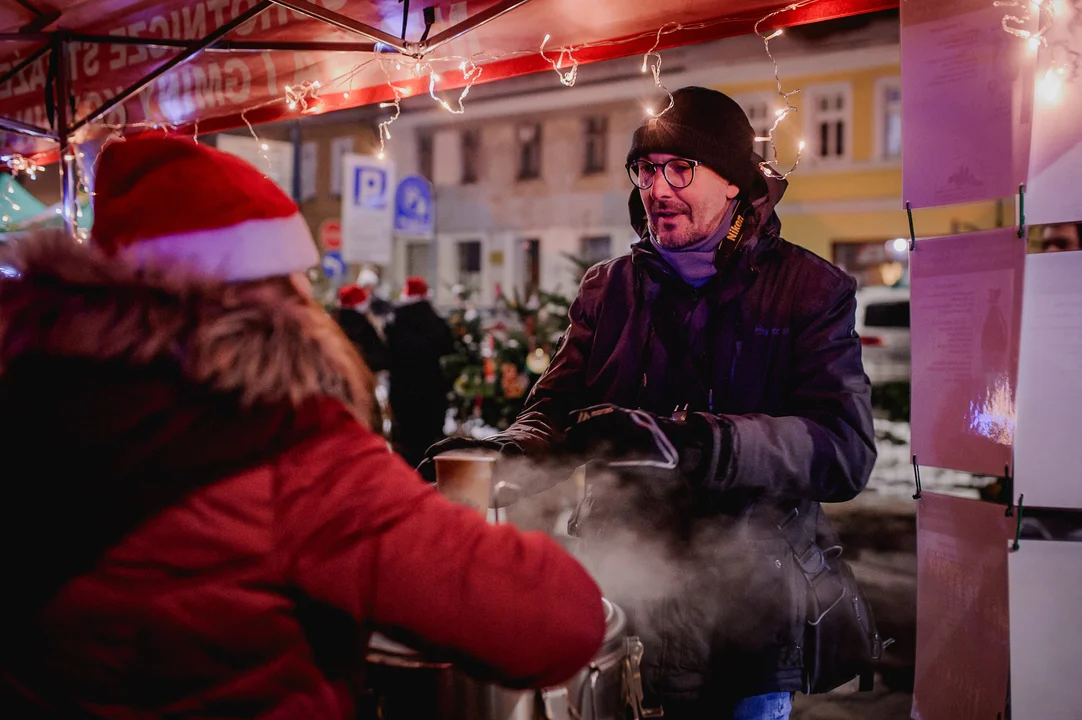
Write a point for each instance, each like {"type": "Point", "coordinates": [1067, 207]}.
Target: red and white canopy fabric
{"type": "Point", "coordinates": [255, 50]}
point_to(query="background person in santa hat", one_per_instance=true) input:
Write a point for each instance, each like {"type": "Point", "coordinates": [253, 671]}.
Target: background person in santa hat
{"type": "Point", "coordinates": [418, 337]}
{"type": "Point", "coordinates": [354, 316]}
{"type": "Point", "coordinates": [208, 528]}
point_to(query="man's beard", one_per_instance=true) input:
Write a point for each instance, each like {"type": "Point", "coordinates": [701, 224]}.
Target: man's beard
{"type": "Point", "coordinates": [664, 213]}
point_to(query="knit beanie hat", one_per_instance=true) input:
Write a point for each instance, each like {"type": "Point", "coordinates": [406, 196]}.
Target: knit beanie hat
{"type": "Point", "coordinates": [169, 201]}
{"type": "Point", "coordinates": [704, 125]}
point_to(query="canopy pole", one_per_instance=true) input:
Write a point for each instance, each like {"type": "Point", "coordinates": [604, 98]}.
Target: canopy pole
{"type": "Point", "coordinates": [68, 172]}
{"type": "Point", "coordinates": [193, 50]}
{"type": "Point", "coordinates": [349, 24]}
{"type": "Point", "coordinates": [21, 128]}
{"type": "Point", "coordinates": [471, 23]}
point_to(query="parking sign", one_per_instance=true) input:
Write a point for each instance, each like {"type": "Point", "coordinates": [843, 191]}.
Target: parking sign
{"type": "Point", "coordinates": [367, 209]}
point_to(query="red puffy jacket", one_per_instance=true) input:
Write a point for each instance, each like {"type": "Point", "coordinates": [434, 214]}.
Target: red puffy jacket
{"type": "Point", "coordinates": [206, 533]}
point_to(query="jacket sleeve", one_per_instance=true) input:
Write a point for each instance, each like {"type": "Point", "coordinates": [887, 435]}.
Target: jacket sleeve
{"type": "Point", "coordinates": [542, 422]}
{"type": "Point", "coordinates": [366, 535]}
{"type": "Point", "coordinates": [824, 450]}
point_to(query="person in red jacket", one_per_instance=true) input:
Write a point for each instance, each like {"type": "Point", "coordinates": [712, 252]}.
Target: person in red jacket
{"type": "Point", "coordinates": [197, 523]}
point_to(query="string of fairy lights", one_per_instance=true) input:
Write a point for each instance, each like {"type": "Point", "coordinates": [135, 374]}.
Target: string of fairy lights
{"type": "Point", "coordinates": [1063, 60]}
{"type": "Point", "coordinates": [304, 97]}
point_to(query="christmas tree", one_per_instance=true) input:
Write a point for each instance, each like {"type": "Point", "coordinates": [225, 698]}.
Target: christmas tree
{"type": "Point", "coordinates": [500, 354]}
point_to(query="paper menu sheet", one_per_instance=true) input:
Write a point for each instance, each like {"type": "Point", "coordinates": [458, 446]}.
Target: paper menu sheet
{"type": "Point", "coordinates": [1048, 446]}
{"type": "Point", "coordinates": [965, 313]}
{"type": "Point", "coordinates": [1046, 630]}
{"type": "Point", "coordinates": [963, 655]}
{"type": "Point", "coordinates": [968, 103]}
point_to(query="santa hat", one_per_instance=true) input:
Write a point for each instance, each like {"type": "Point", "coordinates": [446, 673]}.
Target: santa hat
{"type": "Point", "coordinates": [352, 296]}
{"type": "Point", "coordinates": [415, 287]}
{"type": "Point", "coordinates": [167, 201]}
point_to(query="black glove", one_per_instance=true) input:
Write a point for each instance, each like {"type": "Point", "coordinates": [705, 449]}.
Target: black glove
{"type": "Point", "coordinates": [427, 468]}
{"type": "Point", "coordinates": [695, 447]}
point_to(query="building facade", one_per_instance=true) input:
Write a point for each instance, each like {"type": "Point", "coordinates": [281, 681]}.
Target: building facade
{"type": "Point", "coordinates": [533, 172]}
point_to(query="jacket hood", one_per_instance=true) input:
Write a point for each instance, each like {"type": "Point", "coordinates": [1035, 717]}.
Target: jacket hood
{"type": "Point", "coordinates": [760, 218]}
{"type": "Point", "coordinates": [72, 301]}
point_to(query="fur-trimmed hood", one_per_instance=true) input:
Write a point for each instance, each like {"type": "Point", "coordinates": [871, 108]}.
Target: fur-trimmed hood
{"type": "Point", "coordinates": [251, 341]}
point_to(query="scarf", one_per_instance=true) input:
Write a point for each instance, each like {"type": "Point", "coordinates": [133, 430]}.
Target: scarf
{"type": "Point", "coordinates": [695, 263]}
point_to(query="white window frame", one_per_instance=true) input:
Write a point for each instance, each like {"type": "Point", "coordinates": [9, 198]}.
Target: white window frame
{"type": "Point", "coordinates": [772, 103]}
{"type": "Point", "coordinates": [880, 109]}
{"type": "Point", "coordinates": [812, 116]}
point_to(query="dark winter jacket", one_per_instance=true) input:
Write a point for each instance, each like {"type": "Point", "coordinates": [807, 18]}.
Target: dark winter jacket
{"type": "Point", "coordinates": [768, 347]}
{"type": "Point", "coordinates": [417, 339]}
{"type": "Point", "coordinates": [196, 525]}
{"type": "Point", "coordinates": [364, 336]}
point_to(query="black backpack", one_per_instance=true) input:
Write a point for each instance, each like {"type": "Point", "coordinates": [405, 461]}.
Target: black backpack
{"type": "Point", "coordinates": [841, 641]}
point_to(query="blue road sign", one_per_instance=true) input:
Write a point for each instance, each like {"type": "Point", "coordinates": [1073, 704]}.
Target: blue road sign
{"type": "Point", "coordinates": [333, 265]}
{"type": "Point", "coordinates": [414, 212]}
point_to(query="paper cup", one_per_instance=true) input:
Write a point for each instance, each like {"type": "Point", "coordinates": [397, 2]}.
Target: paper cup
{"type": "Point", "coordinates": [465, 476]}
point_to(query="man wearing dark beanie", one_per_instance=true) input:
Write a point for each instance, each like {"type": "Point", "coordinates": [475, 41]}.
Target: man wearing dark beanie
{"type": "Point", "coordinates": [717, 372]}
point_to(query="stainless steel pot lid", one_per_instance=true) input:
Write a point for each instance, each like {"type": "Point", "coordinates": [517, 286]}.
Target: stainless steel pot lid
{"type": "Point", "coordinates": [615, 627]}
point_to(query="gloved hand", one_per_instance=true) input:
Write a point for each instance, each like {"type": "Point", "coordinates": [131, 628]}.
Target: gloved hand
{"type": "Point", "coordinates": [502, 445]}
{"type": "Point", "coordinates": [694, 447]}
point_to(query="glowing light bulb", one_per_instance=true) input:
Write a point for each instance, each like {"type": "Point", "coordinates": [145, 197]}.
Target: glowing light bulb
{"type": "Point", "coordinates": [900, 244]}
{"type": "Point", "coordinates": [780, 112]}
{"type": "Point", "coordinates": [316, 85]}
{"type": "Point", "coordinates": [381, 155]}
{"type": "Point", "coordinates": [1033, 44]}
{"type": "Point", "coordinates": [265, 146]}
{"type": "Point", "coordinates": [649, 112]}
{"type": "Point", "coordinates": [800, 145]}
{"type": "Point", "coordinates": [15, 207]}
{"type": "Point", "coordinates": [58, 211]}
{"type": "Point", "coordinates": [345, 95]}
{"type": "Point", "coordinates": [292, 105]}
{"type": "Point", "coordinates": [11, 188]}
{"type": "Point", "coordinates": [1036, 6]}
{"type": "Point", "coordinates": [435, 77]}
{"type": "Point", "coordinates": [774, 34]}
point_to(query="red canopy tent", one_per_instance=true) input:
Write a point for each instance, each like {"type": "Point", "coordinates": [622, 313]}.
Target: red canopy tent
{"type": "Point", "coordinates": [212, 65]}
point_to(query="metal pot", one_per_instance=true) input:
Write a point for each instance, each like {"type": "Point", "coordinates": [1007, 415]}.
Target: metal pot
{"type": "Point", "coordinates": [405, 685]}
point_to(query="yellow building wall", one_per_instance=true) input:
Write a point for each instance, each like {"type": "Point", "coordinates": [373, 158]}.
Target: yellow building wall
{"type": "Point", "coordinates": [863, 180]}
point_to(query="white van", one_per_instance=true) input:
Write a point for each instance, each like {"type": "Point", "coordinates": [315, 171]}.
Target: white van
{"type": "Point", "coordinates": [883, 326]}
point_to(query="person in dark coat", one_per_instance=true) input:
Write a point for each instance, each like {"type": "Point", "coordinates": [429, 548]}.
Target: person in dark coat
{"type": "Point", "coordinates": [197, 523]}
{"type": "Point", "coordinates": [739, 349]}
{"type": "Point", "coordinates": [353, 317]}
{"type": "Point", "coordinates": [417, 338]}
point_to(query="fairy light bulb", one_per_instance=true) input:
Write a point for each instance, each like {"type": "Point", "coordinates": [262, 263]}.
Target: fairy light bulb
{"type": "Point", "coordinates": [345, 95]}
{"type": "Point", "coordinates": [774, 34]}
{"type": "Point", "coordinates": [1033, 44]}
{"type": "Point", "coordinates": [381, 155]}
{"type": "Point", "coordinates": [800, 145]}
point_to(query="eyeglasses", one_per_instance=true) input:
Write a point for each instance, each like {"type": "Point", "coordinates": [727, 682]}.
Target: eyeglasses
{"type": "Point", "coordinates": [678, 172]}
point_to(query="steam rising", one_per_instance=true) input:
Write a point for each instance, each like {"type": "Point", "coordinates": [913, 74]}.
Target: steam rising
{"type": "Point", "coordinates": [685, 575]}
